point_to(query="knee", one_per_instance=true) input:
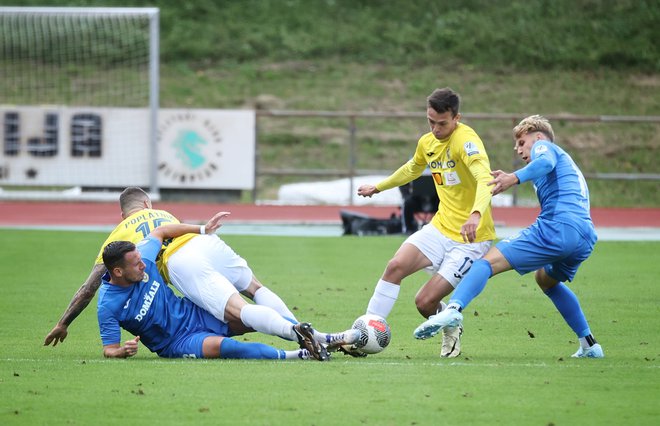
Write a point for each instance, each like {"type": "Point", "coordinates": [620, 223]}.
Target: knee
{"type": "Point", "coordinates": [233, 308]}
{"type": "Point", "coordinates": [544, 281]}
{"type": "Point", "coordinates": [395, 267]}
{"type": "Point", "coordinates": [252, 288]}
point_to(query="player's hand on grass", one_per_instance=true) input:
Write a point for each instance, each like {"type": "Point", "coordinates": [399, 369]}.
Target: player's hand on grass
{"type": "Point", "coordinates": [131, 347]}
{"type": "Point", "coordinates": [56, 335]}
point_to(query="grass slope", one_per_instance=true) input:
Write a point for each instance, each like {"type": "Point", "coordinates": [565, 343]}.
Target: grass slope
{"type": "Point", "coordinates": [503, 376]}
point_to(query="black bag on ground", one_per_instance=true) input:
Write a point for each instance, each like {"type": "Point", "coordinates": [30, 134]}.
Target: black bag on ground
{"type": "Point", "coordinates": [355, 223]}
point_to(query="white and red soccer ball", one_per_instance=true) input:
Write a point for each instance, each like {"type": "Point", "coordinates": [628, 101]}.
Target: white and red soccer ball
{"type": "Point", "coordinates": [375, 333]}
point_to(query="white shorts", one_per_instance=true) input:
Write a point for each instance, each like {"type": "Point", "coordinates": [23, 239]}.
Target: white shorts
{"type": "Point", "coordinates": [449, 258]}
{"type": "Point", "coordinates": [208, 272]}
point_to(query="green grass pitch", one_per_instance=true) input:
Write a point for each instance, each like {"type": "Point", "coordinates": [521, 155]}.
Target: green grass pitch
{"type": "Point", "coordinates": [515, 367]}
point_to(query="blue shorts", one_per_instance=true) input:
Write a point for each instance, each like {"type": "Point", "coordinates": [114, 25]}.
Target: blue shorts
{"type": "Point", "coordinates": [189, 343]}
{"type": "Point", "coordinates": [557, 247]}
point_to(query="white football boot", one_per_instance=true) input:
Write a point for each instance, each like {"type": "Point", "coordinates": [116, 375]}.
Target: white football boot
{"type": "Point", "coordinates": [451, 342]}
{"type": "Point", "coordinates": [596, 351]}
{"type": "Point", "coordinates": [435, 323]}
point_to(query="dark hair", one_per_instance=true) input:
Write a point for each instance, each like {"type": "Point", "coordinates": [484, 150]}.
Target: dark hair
{"type": "Point", "coordinates": [113, 253]}
{"type": "Point", "coordinates": [132, 198]}
{"type": "Point", "coordinates": [443, 100]}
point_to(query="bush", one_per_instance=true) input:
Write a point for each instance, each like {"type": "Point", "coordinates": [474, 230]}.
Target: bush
{"type": "Point", "coordinates": [586, 34]}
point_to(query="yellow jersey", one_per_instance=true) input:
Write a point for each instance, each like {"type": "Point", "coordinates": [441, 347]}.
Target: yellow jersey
{"type": "Point", "coordinates": [461, 171]}
{"type": "Point", "coordinates": [136, 227]}
{"type": "Point", "coordinates": [140, 224]}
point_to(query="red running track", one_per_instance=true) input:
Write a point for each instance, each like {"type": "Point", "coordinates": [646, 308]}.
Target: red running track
{"type": "Point", "coordinates": [29, 213]}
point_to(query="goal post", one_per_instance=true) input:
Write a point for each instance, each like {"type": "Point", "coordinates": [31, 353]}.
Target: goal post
{"type": "Point", "coordinates": [79, 103]}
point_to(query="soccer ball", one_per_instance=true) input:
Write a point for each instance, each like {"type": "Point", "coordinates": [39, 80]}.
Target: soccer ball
{"type": "Point", "coordinates": [375, 334]}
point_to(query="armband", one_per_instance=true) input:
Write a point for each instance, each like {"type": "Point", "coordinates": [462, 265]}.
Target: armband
{"type": "Point", "coordinates": [202, 230]}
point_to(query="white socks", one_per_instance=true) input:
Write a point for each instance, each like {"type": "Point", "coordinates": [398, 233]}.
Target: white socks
{"type": "Point", "coordinates": [382, 302]}
{"type": "Point", "coordinates": [265, 297]}
{"type": "Point", "coordinates": [265, 320]}
{"type": "Point", "coordinates": [298, 354]}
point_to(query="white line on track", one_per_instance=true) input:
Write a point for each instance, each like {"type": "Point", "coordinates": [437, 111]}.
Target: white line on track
{"type": "Point", "coordinates": [328, 230]}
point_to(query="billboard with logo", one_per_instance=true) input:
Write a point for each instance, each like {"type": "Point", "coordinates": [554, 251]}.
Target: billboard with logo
{"type": "Point", "coordinates": [109, 147]}
{"type": "Point", "coordinates": [206, 148]}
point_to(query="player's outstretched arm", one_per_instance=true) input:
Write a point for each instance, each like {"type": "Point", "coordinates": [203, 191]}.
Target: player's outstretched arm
{"type": "Point", "coordinates": [367, 190]}
{"type": "Point", "coordinates": [80, 300]}
{"type": "Point", "coordinates": [178, 229]}
{"type": "Point", "coordinates": [502, 181]}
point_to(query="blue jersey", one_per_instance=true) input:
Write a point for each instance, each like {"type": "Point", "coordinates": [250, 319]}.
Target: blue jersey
{"type": "Point", "coordinates": [560, 187]}
{"type": "Point", "coordinates": [150, 309]}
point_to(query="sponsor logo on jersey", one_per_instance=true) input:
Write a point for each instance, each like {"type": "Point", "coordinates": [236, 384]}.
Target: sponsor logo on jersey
{"type": "Point", "coordinates": [540, 149]}
{"type": "Point", "coordinates": [471, 148]}
{"type": "Point", "coordinates": [433, 165]}
{"type": "Point", "coordinates": [451, 178]}
{"type": "Point", "coordinates": [439, 164]}
{"type": "Point", "coordinates": [148, 299]}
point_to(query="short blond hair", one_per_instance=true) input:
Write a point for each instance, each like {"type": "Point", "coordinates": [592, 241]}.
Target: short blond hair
{"type": "Point", "coordinates": [531, 124]}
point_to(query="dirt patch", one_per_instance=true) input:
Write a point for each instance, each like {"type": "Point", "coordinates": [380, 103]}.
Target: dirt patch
{"type": "Point", "coordinates": [645, 80]}
{"type": "Point", "coordinates": [586, 141]}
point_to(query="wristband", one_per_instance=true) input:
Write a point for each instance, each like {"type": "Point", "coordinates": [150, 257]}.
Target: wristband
{"type": "Point", "coordinates": [202, 230]}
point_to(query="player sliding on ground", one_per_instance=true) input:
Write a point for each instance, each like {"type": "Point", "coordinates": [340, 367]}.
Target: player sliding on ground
{"type": "Point", "coordinates": [562, 237]}
{"type": "Point", "coordinates": [204, 269]}
{"type": "Point", "coordinates": [134, 296]}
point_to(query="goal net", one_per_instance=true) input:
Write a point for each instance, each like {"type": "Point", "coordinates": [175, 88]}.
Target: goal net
{"type": "Point", "coordinates": [79, 100]}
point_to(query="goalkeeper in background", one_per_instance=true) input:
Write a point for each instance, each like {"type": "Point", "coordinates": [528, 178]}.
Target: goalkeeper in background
{"type": "Point", "coordinates": [461, 231]}
{"type": "Point", "coordinates": [554, 246]}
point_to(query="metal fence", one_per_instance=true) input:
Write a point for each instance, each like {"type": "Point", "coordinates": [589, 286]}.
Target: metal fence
{"type": "Point", "coordinates": [352, 130]}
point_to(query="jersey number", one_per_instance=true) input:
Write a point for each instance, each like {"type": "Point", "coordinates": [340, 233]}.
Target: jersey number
{"type": "Point", "coordinates": [464, 268]}
{"type": "Point", "coordinates": [146, 230]}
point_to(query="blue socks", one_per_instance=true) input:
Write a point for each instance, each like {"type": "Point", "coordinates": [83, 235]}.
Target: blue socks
{"type": "Point", "coordinates": [568, 306]}
{"type": "Point", "coordinates": [230, 348]}
{"type": "Point", "coordinates": [472, 284]}
{"type": "Point", "coordinates": [564, 299]}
